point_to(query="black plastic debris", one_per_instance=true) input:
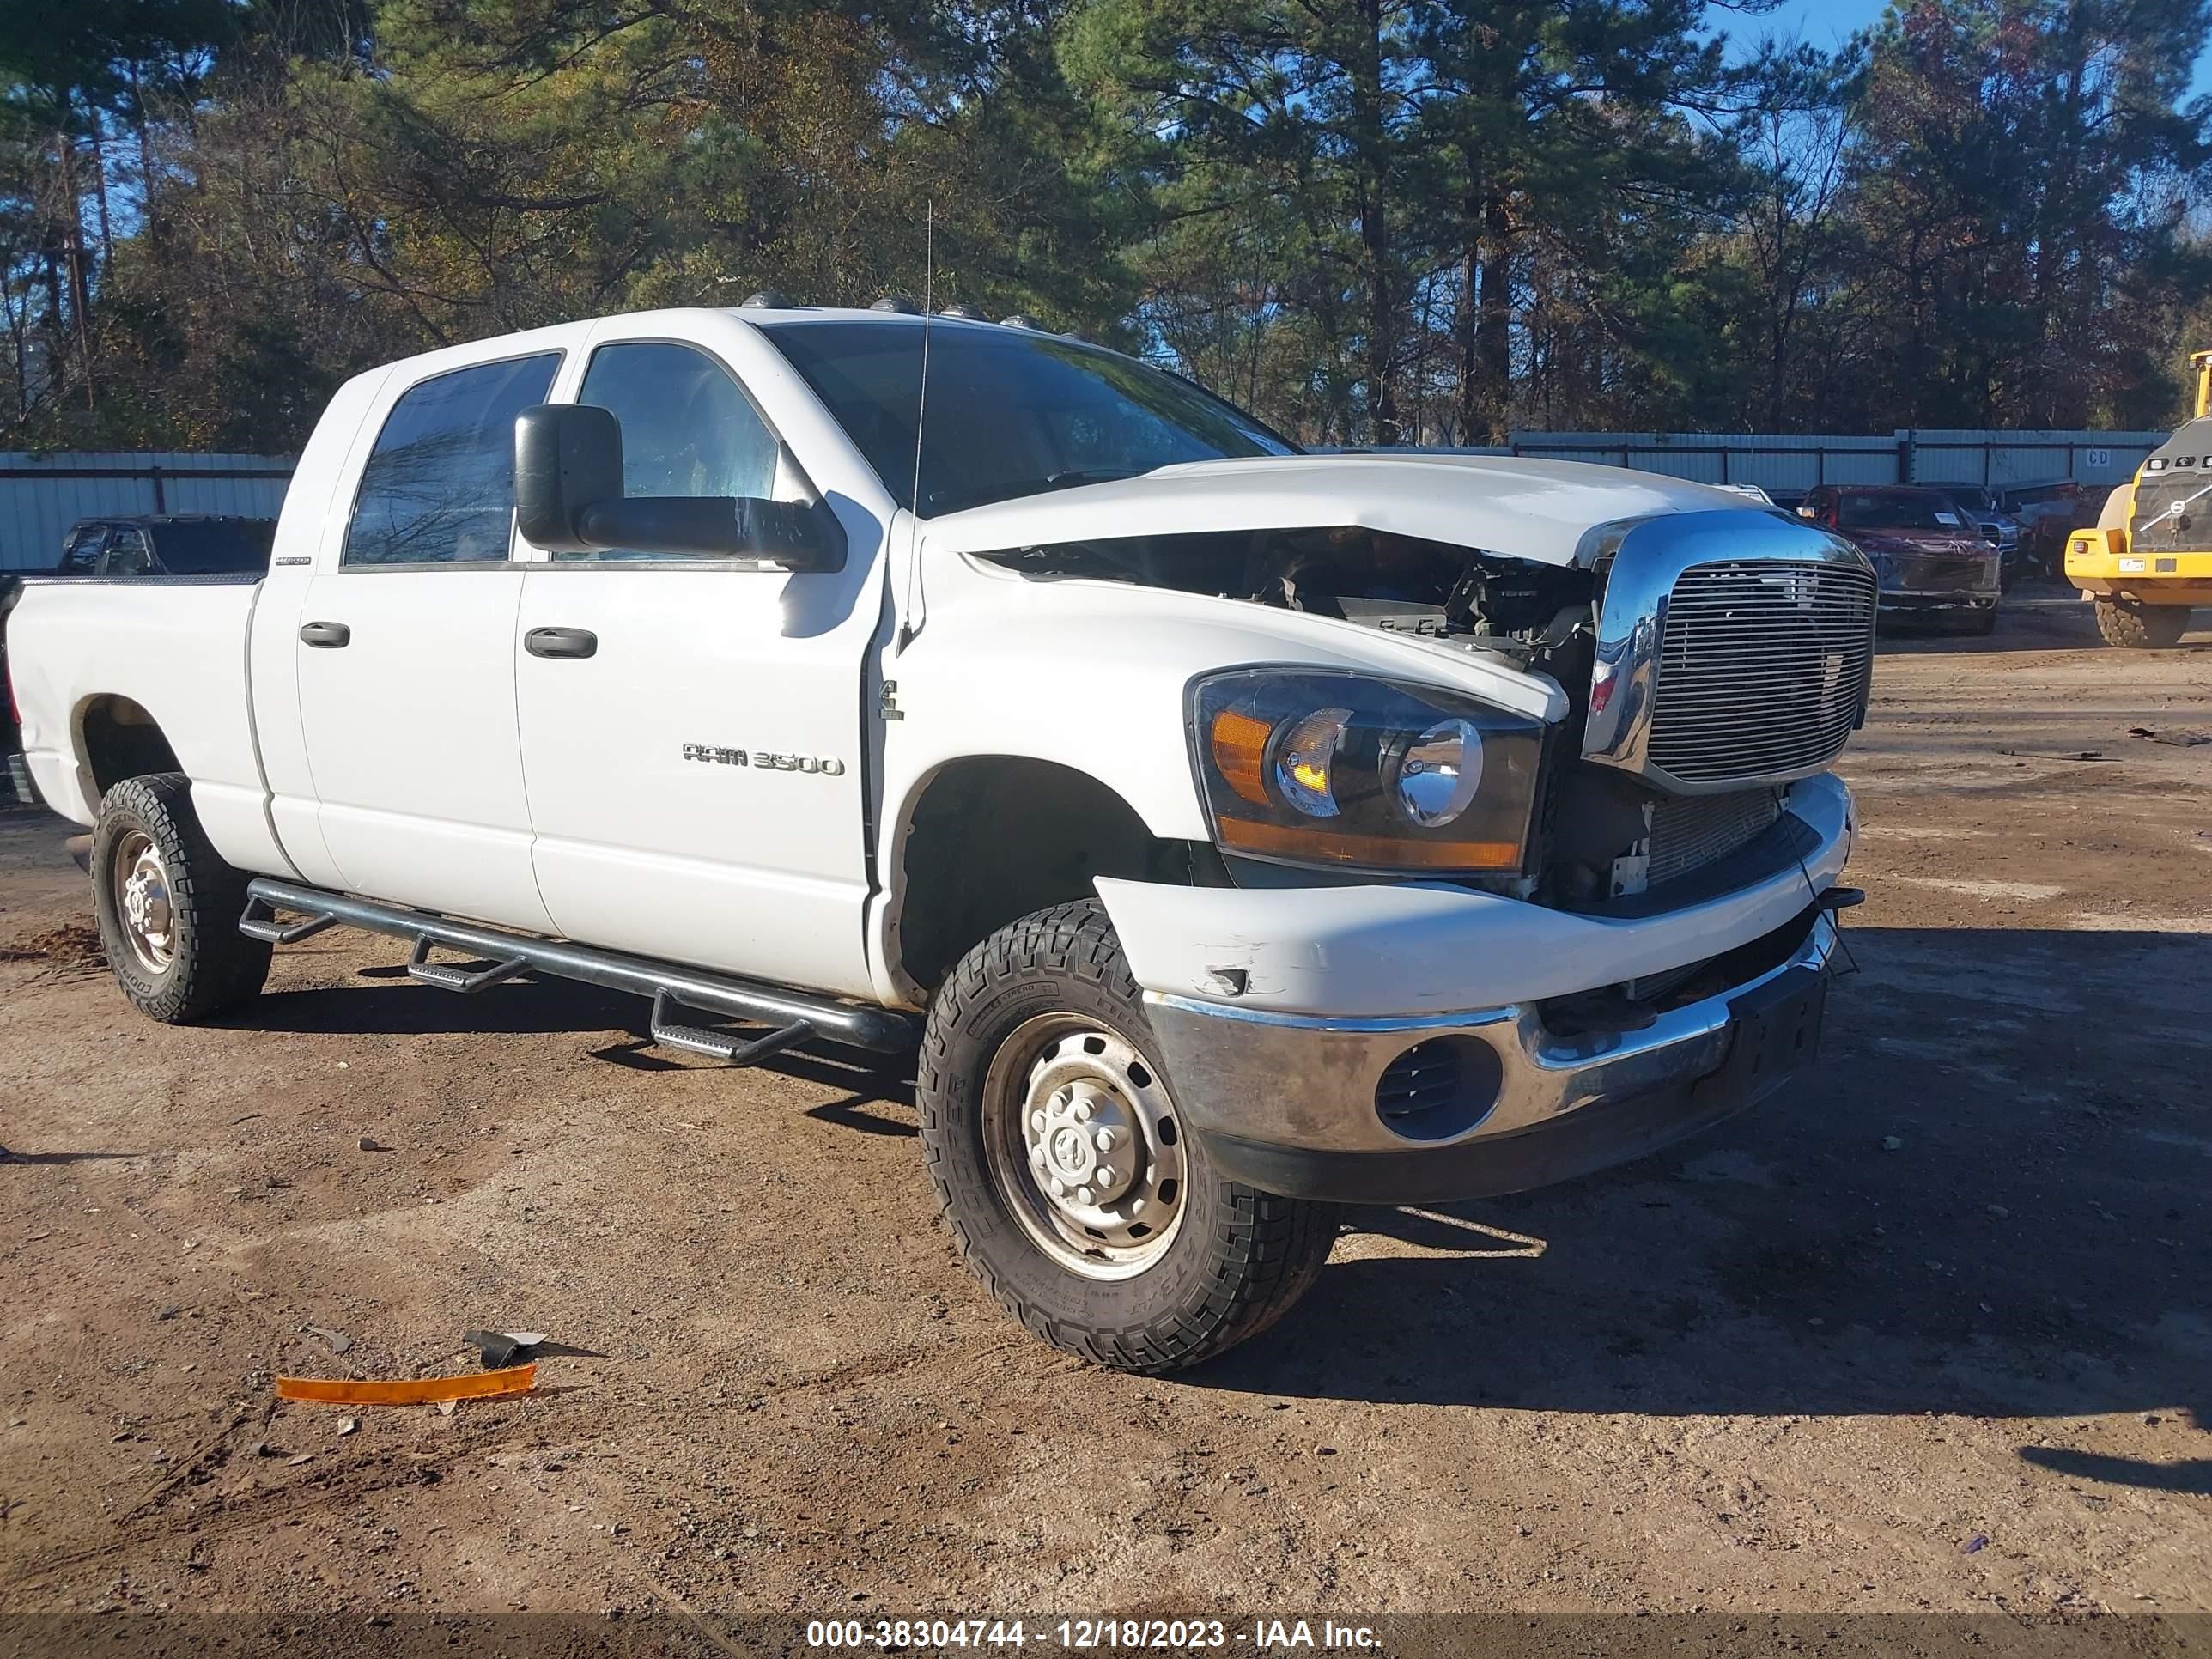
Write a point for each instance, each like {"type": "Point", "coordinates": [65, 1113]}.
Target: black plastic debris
{"type": "Point", "coordinates": [501, 1349]}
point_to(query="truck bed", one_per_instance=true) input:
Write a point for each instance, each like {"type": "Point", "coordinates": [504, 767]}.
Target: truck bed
{"type": "Point", "coordinates": [127, 662]}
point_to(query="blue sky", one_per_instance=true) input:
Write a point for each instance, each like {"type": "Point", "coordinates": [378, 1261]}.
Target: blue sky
{"type": "Point", "coordinates": [1827, 23]}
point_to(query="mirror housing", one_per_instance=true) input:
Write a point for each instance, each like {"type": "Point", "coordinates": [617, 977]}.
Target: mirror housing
{"type": "Point", "coordinates": [569, 499]}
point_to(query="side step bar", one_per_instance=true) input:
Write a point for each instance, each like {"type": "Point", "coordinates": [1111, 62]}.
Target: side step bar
{"type": "Point", "coordinates": [794, 1016]}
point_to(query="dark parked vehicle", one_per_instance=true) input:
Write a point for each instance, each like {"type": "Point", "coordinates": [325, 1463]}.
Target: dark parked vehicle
{"type": "Point", "coordinates": [1998, 527]}
{"type": "Point", "coordinates": [1928, 556]}
{"type": "Point", "coordinates": [2046, 511]}
{"type": "Point", "coordinates": [167, 544]}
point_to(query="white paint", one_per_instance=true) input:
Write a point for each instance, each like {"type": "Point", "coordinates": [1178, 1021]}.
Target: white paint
{"type": "Point", "coordinates": [1528, 509]}
{"type": "Point", "coordinates": [1422, 948]}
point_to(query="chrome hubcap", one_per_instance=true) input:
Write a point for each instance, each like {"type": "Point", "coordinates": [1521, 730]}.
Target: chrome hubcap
{"type": "Point", "coordinates": [142, 899]}
{"type": "Point", "coordinates": [1084, 1142]}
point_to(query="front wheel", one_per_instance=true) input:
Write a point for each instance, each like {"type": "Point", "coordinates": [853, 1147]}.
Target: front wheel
{"type": "Point", "coordinates": [1062, 1166]}
{"type": "Point", "coordinates": [2140, 627]}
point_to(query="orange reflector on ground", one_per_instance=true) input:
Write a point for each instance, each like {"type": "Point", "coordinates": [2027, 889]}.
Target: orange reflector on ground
{"type": "Point", "coordinates": [413, 1391]}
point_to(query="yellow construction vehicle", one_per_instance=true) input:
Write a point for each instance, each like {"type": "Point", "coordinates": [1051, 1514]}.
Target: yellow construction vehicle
{"type": "Point", "coordinates": [2149, 559]}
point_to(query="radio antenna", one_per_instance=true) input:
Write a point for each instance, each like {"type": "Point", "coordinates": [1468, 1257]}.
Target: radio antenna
{"type": "Point", "coordinates": [920, 415]}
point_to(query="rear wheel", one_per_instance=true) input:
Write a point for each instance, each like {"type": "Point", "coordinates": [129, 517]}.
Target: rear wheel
{"type": "Point", "coordinates": [2135, 626]}
{"type": "Point", "coordinates": [1062, 1166]}
{"type": "Point", "coordinates": [168, 906]}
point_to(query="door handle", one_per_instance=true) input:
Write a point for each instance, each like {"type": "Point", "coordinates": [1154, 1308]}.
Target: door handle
{"type": "Point", "coordinates": [328, 635]}
{"type": "Point", "coordinates": [561, 642]}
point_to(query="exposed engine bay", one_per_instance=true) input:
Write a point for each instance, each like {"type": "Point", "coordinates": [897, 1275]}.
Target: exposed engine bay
{"type": "Point", "coordinates": [1537, 616]}
{"type": "Point", "coordinates": [1605, 835]}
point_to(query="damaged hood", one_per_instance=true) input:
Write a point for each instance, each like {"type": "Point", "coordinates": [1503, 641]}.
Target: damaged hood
{"type": "Point", "coordinates": [1526, 509]}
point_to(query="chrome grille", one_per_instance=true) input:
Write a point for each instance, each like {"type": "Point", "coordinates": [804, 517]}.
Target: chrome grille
{"type": "Point", "coordinates": [1762, 669]}
{"type": "Point", "coordinates": [1690, 831]}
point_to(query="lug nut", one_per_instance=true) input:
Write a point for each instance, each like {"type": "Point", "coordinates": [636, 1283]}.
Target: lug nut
{"type": "Point", "coordinates": [1105, 1177]}
{"type": "Point", "coordinates": [1083, 1194]}
{"type": "Point", "coordinates": [1058, 1187]}
{"type": "Point", "coordinates": [1104, 1141]}
{"type": "Point", "coordinates": [1036, 1121]}
{"type": "Point", "coordinates": [1082, 1111]}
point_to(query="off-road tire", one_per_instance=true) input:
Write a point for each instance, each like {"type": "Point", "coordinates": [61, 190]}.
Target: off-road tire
{"type": "Point", "coordinates": [1982, 624]}
{"type": "Point", "coordinates": [213, 968]}
{"type": "Point", "coordinates": [2142, 626]}
{"type": "Point", "coordinates": [1240, 1257]}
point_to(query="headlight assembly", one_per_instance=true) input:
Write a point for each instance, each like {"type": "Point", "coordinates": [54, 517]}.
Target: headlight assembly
{"type": "Point", "coordinates": [1312, 767]}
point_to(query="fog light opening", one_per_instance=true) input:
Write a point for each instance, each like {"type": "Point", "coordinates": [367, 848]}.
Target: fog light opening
{"type": "Point", "coordinates": [1438, 1089]}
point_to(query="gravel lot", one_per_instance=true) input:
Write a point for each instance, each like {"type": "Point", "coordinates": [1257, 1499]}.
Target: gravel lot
{"type": "Point", "coordinates": [1959, 1288]}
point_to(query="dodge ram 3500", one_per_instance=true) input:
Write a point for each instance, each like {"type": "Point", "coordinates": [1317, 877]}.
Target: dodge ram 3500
{"type": "Point", "coordinates": [1231, 831]}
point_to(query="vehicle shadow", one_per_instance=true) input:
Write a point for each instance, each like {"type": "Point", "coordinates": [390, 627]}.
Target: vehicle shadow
{"type": "Point", "coordinates": [1990, 1198]}
{"type": "Point", "coordinates": [391, 1005]}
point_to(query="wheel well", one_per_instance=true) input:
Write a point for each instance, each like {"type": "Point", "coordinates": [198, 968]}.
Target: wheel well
{"type": "Point", "coordinates": [994, 838]}
{"type": "Point", "coordinates": [122, 740]}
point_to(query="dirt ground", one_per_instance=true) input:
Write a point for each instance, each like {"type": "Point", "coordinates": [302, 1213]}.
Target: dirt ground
{"type": "Point", "coordinates": [1933, 1332]}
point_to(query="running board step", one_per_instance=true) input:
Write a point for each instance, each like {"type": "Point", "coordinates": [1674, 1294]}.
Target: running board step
{"type": "Point", "coordinates": [259, 922]}
{"type": "Point", "coordinates": [419, 966]}
{"type": "Point", "coordinates": [731, 1051]}
{"type": "Point", "coordinates": [793, 1016]}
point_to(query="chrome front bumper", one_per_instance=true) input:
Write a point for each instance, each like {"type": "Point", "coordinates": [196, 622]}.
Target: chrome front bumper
{"type": "Point", "coordinates": [1287, 1101]}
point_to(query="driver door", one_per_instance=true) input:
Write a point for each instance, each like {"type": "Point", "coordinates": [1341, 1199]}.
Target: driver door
{"type": "Point", "coordinates": [691, 732]}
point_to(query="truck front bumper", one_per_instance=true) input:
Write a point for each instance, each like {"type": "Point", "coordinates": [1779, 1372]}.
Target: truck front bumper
{"type": "Point", "coordinates": [1507, 1093]}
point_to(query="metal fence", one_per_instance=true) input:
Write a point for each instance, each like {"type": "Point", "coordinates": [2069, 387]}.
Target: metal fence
{"type": "Point", "coordinates": [42, 495]}
{"type": "Point", "coordinates": [1796, 461]}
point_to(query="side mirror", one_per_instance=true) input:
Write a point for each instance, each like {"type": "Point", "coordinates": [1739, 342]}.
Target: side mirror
{"type": "Point", "coordinates": [569, 499]}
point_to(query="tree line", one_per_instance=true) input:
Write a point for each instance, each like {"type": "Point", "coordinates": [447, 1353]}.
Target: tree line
{"type": "Point", "coordinates": [1370, 220]}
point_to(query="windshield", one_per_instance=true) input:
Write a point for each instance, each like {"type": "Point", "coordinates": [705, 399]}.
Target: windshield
{"type": "Point", "coordinates": [1867, 512]}
{"type": "Point", "coordinates": [215, 548]}
{"type": "Point", "coordinates": [1012, 411]}
{"type": "Point", "coordinates": [1972, 498]}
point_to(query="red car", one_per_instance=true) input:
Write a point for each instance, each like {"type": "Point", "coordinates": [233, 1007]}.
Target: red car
{"type": "Point", "coordinates": [1928, 554]}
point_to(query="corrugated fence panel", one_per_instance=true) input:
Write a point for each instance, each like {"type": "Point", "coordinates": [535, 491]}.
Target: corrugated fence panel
{"type": "Point", "coordinates": [1800, 461]}
{"type": "Point", "coordinates": [42, 495]}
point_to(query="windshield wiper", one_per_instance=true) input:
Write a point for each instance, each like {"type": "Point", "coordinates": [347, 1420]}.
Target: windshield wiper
{"type": "Point", "coordinates": [1092, 474]}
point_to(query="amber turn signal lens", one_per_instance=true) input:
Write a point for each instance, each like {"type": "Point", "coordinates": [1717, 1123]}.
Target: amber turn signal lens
{"type": "Point", "coordinates": [1334, 846]}
{"type": "Point", "coordinates": [1240, 750]}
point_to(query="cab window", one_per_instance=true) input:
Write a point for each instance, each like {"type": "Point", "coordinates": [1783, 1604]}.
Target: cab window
{"type": "Point", "coordinates": [128, 554]}
{"type": "Point", "coordinates": [438, 487]}
{"type": "Point", "coordinates": [687, 427]}
{"type": "Point", "coordinates": [80, 553]}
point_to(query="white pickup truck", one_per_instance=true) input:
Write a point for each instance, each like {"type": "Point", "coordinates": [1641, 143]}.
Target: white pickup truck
{"type": "Point", "coordinates": [1236, 831]}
